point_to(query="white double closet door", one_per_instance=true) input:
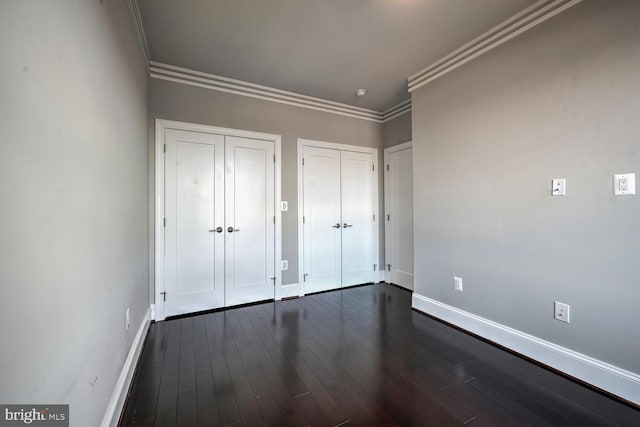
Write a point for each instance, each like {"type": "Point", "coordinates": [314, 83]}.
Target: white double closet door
{"type": "Point", "coordinates": [219, 230]}
{"type": "Point", "coordinates": [339, 225]}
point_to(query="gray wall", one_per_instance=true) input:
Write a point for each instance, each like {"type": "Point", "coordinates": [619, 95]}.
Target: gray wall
{"type": "Point", "coordinates": [397, 131]}
{"type": "Point", "coordinates": [560, 101]}
{"type": "Point", "coordinates": [175, 101]}
{"type": "Point", "coordinates": [73, 180]}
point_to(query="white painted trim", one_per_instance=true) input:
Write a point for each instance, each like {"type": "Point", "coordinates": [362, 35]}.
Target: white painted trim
{"type": "Point", "coordinates": [239, 87]}
{"type": "Point", "coordinates": [396, 111]}
{"type": "Point", "coordinates": [334, 146]}
{"type": "Point", "coordinates": [119, 395]}
{"type": "Point", "coordinates": [160, 128]}
{"type": "Point", "coordinates": [512, 27]}
{"type": "Point", "coordinates": [137, 20]}
{"type": "Point", "coordinates": [399, 147]}
{"type": "Point", "coordinates": [376, 202]}
{"type": "Point", "coordinates": [612, 379]}
{"type": "Point", "coordinates": [290, 290]}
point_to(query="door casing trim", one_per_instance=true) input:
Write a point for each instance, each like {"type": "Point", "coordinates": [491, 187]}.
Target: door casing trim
{"type": "Point", "coordinates": [161, 125]}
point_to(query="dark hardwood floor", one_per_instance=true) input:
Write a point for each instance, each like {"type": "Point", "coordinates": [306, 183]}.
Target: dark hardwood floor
{"type": "Point", "coordinates": [359, 356]}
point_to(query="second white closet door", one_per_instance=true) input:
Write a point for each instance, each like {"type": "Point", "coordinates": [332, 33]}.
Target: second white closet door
{"type": "Point", "coordinates": [338, 209]}
{"type": "Point", "coordinates": [249, 217]}
{"type": "Point", "coordinates": [358, 226]}
{"type": "Point", "coordinates": [322, 222]}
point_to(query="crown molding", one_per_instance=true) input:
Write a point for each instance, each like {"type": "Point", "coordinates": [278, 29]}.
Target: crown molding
{"type": "Point", "coordinates": [396, 111]}
{"type": "Point", "coordinates": [238, 87]}
{"type": "Point", "coordinates": [137, 19]}
{"type": "Point", "coordinates": [512, 27]}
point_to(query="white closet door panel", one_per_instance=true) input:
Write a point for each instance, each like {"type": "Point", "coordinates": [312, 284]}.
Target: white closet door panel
{"type": "Point", "coordinates": [249, 211]}
{"type": "Point", "coordinates": [321, 210]}
{"type": "Point", "coordinates": [400, 210]}
{"type": "Point", "coordinates": [357, 218]}
{"type": "Point", "coordinates": [194, 192]}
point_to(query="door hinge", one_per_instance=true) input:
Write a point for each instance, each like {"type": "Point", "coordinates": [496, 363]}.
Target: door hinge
{"type": "Point", "coordinates": [304, 220]}
{"type": "Point", "coordinates": [274, 219]}
{"type": "Point", "coordinates": [164, 148]}
{"type": "Point", "coordinates": [375, 267]}
{"type": "Point", "coordinates": [164, 222]}
{"type": "Point", "coordinates": [388, 267]}
{"type": "Point", "coordinates": [387, 167]}
{"type": "Point", "coordinates": [373, 168]}
{"type": "Point", "coordinates": [303, 161]}
{"type": "Point", "coordinates": [274, 158]}
{"type": "Point", "coordinates": [374, 217]}
{"type": "Point", "coordinates": [388, 217]}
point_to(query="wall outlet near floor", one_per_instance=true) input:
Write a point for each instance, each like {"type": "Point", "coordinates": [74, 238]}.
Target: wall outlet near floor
{"type": "Point", "coordinates": [284, 265]}
{"type": "Point", "coordinates": [457, 283]}
{"type": "Point", "coordinates": [561, 311]}
{"type": "Point", "coordinates": [127, 318]}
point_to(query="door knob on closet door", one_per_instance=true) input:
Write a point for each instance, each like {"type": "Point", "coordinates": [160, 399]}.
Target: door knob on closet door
{"type": "Point", "coordinates": [217, 230]}
{"type": "Point", "coordinates": [345, 225]}
{"type": "Point", "coordinates": [336, 226]}
{"type": "Point", "coordinates": [231, 229]}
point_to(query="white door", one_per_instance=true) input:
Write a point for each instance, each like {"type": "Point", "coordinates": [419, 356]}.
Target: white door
{"type": "Point", "coordinates": [358, 224]}
{"type": "Point", "coordinates": [399, 210]}
{"type": "Point", "coordinates": [250, 221]}
{"type": "Point", "coordinates": [194, 198]}
{"type": "Point", "coordinates": [322, 225]}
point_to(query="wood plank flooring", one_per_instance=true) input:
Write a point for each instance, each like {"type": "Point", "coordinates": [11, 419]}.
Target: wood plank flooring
{"type": "Point", "coordinates": [356, 357]}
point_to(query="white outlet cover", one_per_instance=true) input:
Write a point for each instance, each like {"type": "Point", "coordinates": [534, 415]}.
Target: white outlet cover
{"type": "Point", "coordinates": [457, 283]}
{"type": "Point", "coordinates": [284, 265]}
{"type": "Point", "coordinates": [284, 206]}
{"type": "Point", "coordinates": [561, 312]}
{"type": "Point", "coordinates": [624, 184]}
{"type": "Point", "coordinates": [558, 187]}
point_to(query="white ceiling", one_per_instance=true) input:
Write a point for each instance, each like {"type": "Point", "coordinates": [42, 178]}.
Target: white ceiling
{"type": "Point", "coordinates": [321, 48]}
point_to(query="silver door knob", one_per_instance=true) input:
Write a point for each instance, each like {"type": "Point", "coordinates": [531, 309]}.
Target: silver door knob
{"type": "Point", "coordinates": [336, 226]}
{"type": "Point", "coordinates": [231, 229]}
{"type": "Point", "coordinates": [217, 230]}
{"type": "Point", "coordinates": [345, 225]}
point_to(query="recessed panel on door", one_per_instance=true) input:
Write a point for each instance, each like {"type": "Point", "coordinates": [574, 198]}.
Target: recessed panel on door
{"type": "Point", "coordinates": [322, 227]}
{"type": "Point", "coordinates": [249, 214]}
{"type": "Point", "coordinates": [358, 226]}
{"type": "Point", "coordinates": [194, 197]}
{"type": "Point", "coordinates": [399, 207]}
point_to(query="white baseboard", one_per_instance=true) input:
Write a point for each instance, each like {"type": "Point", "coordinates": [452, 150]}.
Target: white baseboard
{"type": "Point", "coordinates": [290, 290]}
{"type": "Point", "coordinates": [612, 379]}
{"type": "Point", "coordinates": [112, 414]}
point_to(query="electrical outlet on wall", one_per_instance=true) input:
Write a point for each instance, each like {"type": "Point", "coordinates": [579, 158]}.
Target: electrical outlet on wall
{"type": "Point", "coordinates": [457, 283]}
{"type": "Point", "coordinates": [624, 184]}
{"type": "Point", "coordinates": [561, 311]}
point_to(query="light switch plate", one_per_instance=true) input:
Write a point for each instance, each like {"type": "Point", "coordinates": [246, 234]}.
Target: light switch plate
{"type": "Point", "coordinates": [284, 206]}
{"type": "Point", "coordinates": [284, 265]}
{"type": "Point", "coordinates": [624, 184]}
{"type": "Point", "coordinates": [558, 187]}
{"type": "Point", "coordinates": [457, 283]}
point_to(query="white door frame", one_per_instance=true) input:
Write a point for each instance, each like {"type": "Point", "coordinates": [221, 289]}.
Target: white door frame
{"type": "Point", "coordinates": [376, 207]}
{"type": "Point", "coordinates": [387, 151]}
{"type": "Point", "coordinates": [161, 126]}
